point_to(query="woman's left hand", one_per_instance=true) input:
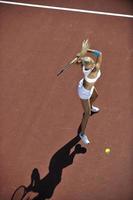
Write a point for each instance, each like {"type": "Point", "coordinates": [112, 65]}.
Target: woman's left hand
{"type": "Point", "coordinates": [84, 49]}
{"type": "Point", "coordinates": [85, 45]}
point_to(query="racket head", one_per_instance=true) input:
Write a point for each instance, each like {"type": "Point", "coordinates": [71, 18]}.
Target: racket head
{"type": "Point", "coordinates": [67, 65]}
{"type": "Point", "coordinates": [60, 72]}
{"type": "Point", "coordinates": [19, 193]}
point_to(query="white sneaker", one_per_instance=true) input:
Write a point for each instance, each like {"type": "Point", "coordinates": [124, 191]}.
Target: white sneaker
{"type": "Point", "coordinates": [84, 138]}
{"type": "Point", "coordinates": [95, 109]}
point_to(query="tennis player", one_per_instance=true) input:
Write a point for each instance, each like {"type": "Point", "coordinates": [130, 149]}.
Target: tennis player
{"type": "Point", "coordinates": [86, 88]}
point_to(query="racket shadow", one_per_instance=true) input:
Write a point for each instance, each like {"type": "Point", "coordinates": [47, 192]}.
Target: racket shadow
{"type": "Point", "coordinates": [61, 159]}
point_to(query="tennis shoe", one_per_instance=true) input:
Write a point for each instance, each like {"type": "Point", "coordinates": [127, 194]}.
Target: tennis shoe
{"type": "Point", "coordinates": [95, 109]}
{"type": "Point", "coordinates": [84, 138]}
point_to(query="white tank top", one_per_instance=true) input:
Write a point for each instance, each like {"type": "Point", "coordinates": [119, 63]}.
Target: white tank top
{"type": "Point", "coordinates": [86, 72]}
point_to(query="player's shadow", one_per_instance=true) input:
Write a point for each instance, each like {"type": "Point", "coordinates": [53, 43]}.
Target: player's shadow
{"type": "Point", "coordinates": [61, 159]}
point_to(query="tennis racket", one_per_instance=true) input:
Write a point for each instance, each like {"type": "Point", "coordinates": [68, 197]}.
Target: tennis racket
{"type": "Point", "coordinates": [19, 193]}
{"type": "Point", "coordinates": [66, 66]}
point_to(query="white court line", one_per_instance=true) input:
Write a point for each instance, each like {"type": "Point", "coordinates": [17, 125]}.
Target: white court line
{"type": "Point", "coordinates": [67, 9]}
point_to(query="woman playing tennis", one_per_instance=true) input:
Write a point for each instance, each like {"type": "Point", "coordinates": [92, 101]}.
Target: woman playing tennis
{"type": "Point", "coordinates": [86, 88]}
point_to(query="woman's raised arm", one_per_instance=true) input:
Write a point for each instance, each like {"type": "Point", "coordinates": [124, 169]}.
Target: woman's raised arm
{"type": "Point", "coordinates": [98, 55]}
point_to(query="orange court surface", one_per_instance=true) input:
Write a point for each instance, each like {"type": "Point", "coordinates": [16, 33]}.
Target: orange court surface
{"type": "Point", "coordinates": [41, 113]}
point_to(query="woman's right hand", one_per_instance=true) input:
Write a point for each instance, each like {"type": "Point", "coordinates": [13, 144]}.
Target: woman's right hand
{"type": "Point", "coordinates": [78, 60]}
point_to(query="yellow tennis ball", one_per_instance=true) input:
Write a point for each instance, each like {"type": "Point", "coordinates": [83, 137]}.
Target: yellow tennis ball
{"type": "Point", "coordinates": [107, 150]}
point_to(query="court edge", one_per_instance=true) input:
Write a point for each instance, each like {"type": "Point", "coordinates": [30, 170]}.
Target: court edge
{"type": "Point", "coordinates": [67, 9]}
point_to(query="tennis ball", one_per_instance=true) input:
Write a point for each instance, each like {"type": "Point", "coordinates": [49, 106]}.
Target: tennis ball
{"type": "Point", "coordinates": [107, 150]}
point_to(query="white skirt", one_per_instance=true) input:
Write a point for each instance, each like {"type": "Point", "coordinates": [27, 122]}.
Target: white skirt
{"type": "Point", "coordinates": [83, 92]}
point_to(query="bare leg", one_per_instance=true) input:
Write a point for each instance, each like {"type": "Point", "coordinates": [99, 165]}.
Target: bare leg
{"type": "Point", "coordinates": [87, 112]}
{"type": "Point", "coordinates": [93, 97]}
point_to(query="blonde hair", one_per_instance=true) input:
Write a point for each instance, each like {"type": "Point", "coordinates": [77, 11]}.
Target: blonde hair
{"type": "Point", "coordinates": [87, 60]}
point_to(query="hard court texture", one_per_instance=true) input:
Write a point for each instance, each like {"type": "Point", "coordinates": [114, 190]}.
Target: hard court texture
{"type": "Point", "coordinates": [41, 113]}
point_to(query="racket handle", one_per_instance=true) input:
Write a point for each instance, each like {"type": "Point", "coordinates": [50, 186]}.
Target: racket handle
{"type": "Point", "coordinates": [73, 61]}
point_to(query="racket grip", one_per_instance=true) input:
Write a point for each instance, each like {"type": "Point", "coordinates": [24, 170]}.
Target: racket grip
{"type": "Point", "coordinates": [74, 60]}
